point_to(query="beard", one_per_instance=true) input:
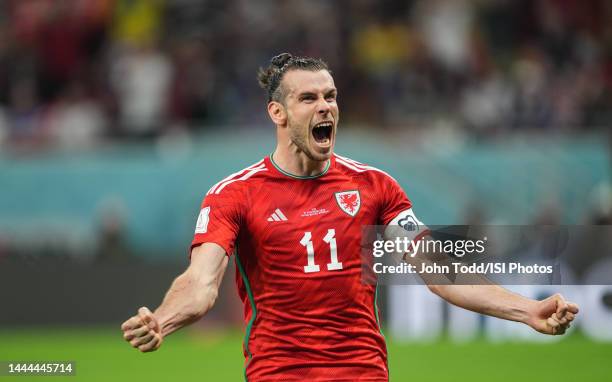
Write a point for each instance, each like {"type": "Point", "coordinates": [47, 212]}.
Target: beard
{"type": "Point", "coordinates": [300, 139]}
{"type": "Point", "coordinates": [300, 135]}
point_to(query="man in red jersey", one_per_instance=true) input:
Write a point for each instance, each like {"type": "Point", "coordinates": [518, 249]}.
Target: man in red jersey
{"type": "Point", "coordinates": [293, 222]}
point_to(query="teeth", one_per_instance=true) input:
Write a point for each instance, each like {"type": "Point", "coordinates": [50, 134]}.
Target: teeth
{"type": "Point", "coordinates": [324, 124]}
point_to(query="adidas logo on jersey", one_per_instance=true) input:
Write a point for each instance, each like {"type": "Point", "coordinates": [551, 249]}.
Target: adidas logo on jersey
{"type": "Point", "coordinates": [277, 216]}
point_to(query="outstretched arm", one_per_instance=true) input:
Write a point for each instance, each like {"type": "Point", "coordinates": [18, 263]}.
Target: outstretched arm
{"type": "Point", "coordinates": [552, 315]}
{"type": "Point", "coordinates": [190, 297]}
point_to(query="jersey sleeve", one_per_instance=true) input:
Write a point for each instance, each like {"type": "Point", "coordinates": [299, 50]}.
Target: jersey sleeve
{"type": "Point", "coordinates": [219, 221]}
{"type": "Point", "coordinates": [394, 199]}
{"type": "Point", "coordinates": [396, 212]}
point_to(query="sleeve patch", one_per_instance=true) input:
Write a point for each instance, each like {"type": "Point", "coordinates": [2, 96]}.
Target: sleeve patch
{"type": "Point", "coordinates": [203, 218]}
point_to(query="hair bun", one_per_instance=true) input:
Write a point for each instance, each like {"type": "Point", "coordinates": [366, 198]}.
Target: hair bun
{"type": "Point", "coordinates": [280, 60]}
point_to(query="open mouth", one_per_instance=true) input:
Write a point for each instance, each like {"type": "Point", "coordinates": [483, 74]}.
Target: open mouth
{"type": "Point", "coordinates": [322, 132]}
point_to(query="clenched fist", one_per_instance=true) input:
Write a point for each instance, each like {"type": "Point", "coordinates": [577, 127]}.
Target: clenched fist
{"type": "Point", "coordinates": [142, 331]}
{"type": "Point", "coordinates": [553, 315]}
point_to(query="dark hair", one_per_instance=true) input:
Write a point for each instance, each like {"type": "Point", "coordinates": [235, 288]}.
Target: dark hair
{"type": "Point", "coordinates": [271, 77]}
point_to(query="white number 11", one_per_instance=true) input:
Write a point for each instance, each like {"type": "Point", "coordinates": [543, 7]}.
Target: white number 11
{"type": "Point", "coordinates": [329, 239]}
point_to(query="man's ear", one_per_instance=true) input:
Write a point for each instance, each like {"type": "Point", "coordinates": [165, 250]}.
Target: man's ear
{"type": "Point", "coordinates": [277, 113]}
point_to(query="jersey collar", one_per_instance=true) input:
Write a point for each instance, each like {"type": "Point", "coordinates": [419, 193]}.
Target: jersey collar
{"type": "Point", "coordinates": [283, 172]}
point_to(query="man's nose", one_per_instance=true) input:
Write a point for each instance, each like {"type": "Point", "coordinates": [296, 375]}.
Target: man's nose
{"type": "Point", "coordinates": [323, 107]}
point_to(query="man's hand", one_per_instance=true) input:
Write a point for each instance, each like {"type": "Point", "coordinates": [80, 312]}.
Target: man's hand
{"type": "Point", "coordinates": [191, 295]}
{"type": "Point", "coordinates": [142, 331]}
{"type": "Point", "coordinates": [552, 315]}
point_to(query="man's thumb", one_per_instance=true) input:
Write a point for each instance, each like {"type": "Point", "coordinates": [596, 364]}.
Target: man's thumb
{"type": "Point", "coordinates": [148, 318]}
{"type": "Point", "coordinates": [561, 308]}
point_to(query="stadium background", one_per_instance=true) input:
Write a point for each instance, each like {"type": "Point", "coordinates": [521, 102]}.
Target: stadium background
{"type": "Point", "coordinates": [117, 116]}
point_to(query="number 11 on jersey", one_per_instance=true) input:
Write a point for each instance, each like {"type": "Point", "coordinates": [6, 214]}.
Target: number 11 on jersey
{"type": "Point", "coordinates": [333, 250]}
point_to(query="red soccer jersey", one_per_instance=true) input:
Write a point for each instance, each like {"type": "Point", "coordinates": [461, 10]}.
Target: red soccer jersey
{"type": "Point", "coordinates": [308, 314]}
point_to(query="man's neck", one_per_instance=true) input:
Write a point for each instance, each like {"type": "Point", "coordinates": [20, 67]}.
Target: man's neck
{"type": "Point", "coordinates": [295, 162]}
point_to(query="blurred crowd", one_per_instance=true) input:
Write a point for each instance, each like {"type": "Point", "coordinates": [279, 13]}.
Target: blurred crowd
{"type": "Point", "coordinates": [76, 72]}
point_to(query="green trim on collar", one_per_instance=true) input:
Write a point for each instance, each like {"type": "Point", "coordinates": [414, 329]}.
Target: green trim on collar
{"type": "Point", "coordinates": [299, 176]}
